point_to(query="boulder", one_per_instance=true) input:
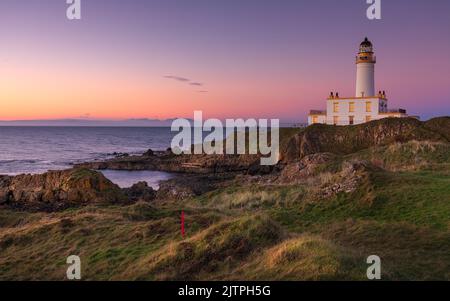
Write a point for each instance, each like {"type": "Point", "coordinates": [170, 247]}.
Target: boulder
{"type": "Point", "coordinates": [149, 153]}
{"type": "Point", "coordinates": [140, 192]}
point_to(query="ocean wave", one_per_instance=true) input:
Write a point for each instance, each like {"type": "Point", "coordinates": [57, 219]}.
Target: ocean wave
{"type": "Point", "coordinates": [38, 149]}
{"type": "Point", "coordinates": [29, 161]}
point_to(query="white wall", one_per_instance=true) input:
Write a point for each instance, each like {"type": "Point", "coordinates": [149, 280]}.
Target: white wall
{"type": "Point", "coordinates": [359, 110]}
{"type": "Point", "coordinates": [320, 119]}
{"type": "Point", "coordinates": [359, 113]}
{"type": "Point", "coordinates": [365, 80]}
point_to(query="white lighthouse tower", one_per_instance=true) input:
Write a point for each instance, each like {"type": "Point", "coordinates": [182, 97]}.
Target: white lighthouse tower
{"type": "Point", "coordinates": [366, 105]}
{"type": "Point", "coordinates": [365, 70]}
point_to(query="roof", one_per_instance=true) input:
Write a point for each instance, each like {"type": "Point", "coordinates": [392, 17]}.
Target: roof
{"type": "Point", "coordinates": [317, 112]}
{"type": "Point", "coordinates": [366, 43]}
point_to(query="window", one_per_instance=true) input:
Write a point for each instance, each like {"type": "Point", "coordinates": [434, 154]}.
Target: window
{"type": "Point", "coordinates": [351, 120]}
{"type": "Point", "coordinates": [351, 107]}
{"type": "Point", "coordinates": [335, 120]}
{"type": "Point", "coordinates": [335, 107]}
{"type": "Point", "coordinates": [368, 118]}
{"type": "Point", "coordinates": [315, 119]}
{"type": "Point", "coordinates": [368, 106]}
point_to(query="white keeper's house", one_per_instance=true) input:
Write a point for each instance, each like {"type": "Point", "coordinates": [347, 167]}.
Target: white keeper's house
{"type": "Point", "coordinates": [366, 105]}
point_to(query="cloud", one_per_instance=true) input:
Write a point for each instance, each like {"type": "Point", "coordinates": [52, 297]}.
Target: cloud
{"type": "Point", "coordinates": [178, 78]}
{"type": "Point", "coordinates": [187, 81]}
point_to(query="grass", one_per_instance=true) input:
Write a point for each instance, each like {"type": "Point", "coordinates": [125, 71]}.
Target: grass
{"type": "Point", "coordinates": [413, 155]}
{"type": "Point", "coordinates": [420, 198]}
{"type": "Point", "coordinates": [216, 250]}
{"type": "Point", "coordinates": [255, 197]}
{"type": "Point", "coordinates": [305, 257]}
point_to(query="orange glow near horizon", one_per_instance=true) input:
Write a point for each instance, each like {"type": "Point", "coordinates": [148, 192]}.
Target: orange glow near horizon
{"type": "Point", "coordinates": [50, 90]}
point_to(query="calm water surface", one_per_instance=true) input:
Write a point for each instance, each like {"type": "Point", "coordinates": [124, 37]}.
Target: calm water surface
{"type": "Point", "coordinates": [39, 149]}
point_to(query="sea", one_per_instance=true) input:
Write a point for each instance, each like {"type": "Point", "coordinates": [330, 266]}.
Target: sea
{"type": "Point", "coordinates": [34, 150]}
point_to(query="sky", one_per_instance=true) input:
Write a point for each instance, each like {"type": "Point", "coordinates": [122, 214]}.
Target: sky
{"type": "Point", "coordinates": [229, 58]}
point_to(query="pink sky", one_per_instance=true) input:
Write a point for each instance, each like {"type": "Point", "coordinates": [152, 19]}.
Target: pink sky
{"type": "Point", "coordinates": [252, 60]}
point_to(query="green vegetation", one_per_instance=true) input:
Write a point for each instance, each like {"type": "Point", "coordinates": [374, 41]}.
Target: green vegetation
{"type": "Point", "coordinates": [240, 232]}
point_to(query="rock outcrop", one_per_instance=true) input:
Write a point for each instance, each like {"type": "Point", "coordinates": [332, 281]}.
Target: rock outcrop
{"type": "Point", "coordinates": [306, 167]}
{"type": "Point", "coordinates": [149, 153]}
{"type": "Point", "coordinates": [140, 192]}
{"type": "Point", "coordinates": [187, 186]}
{"type": "Point", "coordinates": [58, 190]}
{"type": "Point", "coordinates": [167, 161]}
{"type": "Point", "coordinates": [349, 179]}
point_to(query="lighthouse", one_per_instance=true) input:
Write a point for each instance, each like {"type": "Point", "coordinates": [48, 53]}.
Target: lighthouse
{"type": "Point", "coordinates": [366, 105]}
{"type": "Point", "coordinates": [365, 70]}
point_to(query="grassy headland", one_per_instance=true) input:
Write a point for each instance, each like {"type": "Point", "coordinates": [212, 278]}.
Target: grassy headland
{"type": "Point", "coordinates": [336, 198]}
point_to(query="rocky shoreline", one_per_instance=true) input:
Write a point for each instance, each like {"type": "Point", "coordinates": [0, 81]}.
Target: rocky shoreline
{"type": "Point", "coordinates": [77, 187]}
{"type": "Point", "coordinates": [301, 155]}
{"type": "Point", "coordinates": [168, 162]}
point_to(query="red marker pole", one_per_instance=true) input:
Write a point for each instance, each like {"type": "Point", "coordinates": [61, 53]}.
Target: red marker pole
{"type": "Point", "coordinates": [182, 223]}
